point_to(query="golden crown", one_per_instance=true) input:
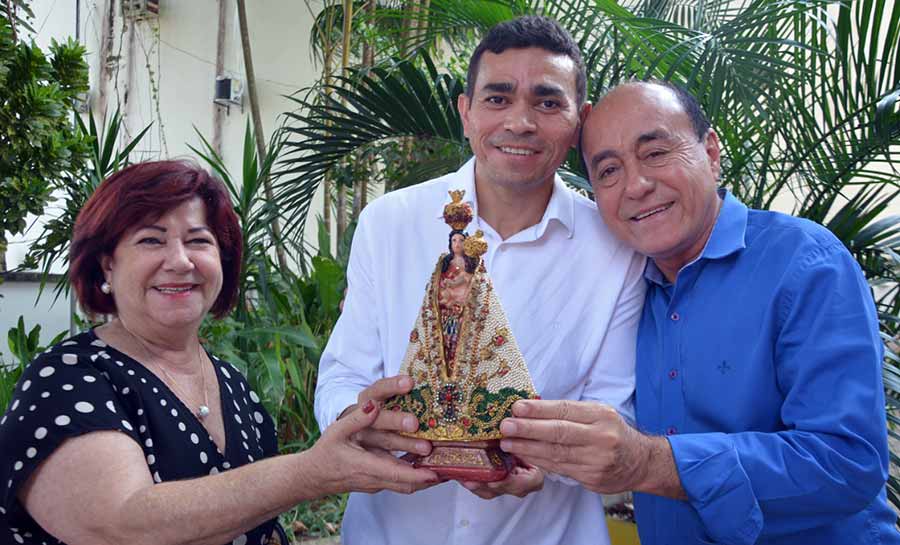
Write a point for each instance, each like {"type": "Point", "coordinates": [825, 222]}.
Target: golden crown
{"type": "Point", "coordinates": [458, 214]}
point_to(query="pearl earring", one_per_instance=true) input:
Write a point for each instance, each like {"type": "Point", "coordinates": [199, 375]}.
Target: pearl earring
{"type": "Point", "coordinates": [106, 288]}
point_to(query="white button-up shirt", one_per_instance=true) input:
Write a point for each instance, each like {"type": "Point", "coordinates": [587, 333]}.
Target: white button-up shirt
{"type": "Point", "coordinates": [572, 294]}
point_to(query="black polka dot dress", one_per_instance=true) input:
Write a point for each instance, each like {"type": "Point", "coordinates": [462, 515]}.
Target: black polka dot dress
{"type": "Point", "coordinates": [83, 385]}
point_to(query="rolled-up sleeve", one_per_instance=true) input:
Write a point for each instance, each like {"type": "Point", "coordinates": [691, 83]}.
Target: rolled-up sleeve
{"type": "Point", "coordinates": [831, 459]}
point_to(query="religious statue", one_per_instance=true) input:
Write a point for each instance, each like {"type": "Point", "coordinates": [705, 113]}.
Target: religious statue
{"type": "Point", "coordinates": [466, 366]}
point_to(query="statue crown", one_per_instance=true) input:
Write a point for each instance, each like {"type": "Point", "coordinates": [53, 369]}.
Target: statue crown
{"type": "Point", "coordinates": [458, 214]}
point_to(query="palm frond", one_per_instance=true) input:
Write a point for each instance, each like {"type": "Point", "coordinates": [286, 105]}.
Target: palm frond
{"type": "Point", "coordinates": [366, 108]}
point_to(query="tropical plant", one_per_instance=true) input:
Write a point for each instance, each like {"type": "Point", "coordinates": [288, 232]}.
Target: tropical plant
{"type": "Point", "coordinates": [37, 142]}
{"type": "Point", "coordinates": [276, 334]}
{"type": "Point", "coordinates": [25, 346]}
{"type": "Point", "coordinates": [105, 157]}
{"type": "Point", "coordinates": [255, 212]}
{"type": "Point", "coordinates": [382, 106]}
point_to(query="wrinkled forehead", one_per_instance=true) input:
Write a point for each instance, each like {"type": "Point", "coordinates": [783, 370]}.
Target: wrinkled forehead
{"type": "Point", "coordinates": [640, 100]}
{"type": "Point", "coordinates": [629, 111]}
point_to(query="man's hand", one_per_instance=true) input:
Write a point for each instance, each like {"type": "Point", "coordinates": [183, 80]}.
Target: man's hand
{"type": "Point", "coordinates": [382, 436]}
{"type": "Point", "coordinates": [520, 482]}
{"type": "Point", "coordinates": [592, 444]}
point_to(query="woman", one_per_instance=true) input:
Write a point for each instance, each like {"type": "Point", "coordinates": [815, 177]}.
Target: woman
{"type": "Point", "coordinates": [456, 276]}
{"type": "Point", "coordinates": [132, 432]}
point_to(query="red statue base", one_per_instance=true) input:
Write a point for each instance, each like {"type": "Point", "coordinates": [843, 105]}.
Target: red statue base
{"type": "Point", "coordinates": [480, 461]}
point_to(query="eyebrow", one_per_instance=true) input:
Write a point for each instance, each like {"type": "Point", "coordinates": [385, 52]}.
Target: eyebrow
{"type": "Point", "coordinates": [658, 134]}
{"type": "Point", "coordinates": [164, 230]}
{"type": "Point", "coordinates": [498, 87]}
{"type": "Point", "coordinates": [541, 90]}
{"type": "Point", "coordinates": [544, 90]}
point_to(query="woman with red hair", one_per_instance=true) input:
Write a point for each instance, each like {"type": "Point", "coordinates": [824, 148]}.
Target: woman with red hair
{"type": "Point", "coordinates": [132, 432]}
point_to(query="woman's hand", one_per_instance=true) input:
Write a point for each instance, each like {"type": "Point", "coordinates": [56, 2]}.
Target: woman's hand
{"type": "Point", "coordinates": [344, 465]}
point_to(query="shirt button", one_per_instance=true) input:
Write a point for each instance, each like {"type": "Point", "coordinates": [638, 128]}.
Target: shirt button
{"type": "Point", "coordinates": [671, 431]}
{"type": "Point", "coordinates": [463, 523]}
{"type": "Point", "coordinates": [675, 317]}
{"type": "Point", "coordinates": [673, 373]}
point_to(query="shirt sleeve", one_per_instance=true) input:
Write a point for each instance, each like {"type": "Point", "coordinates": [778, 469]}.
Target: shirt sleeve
{"type": "Point", "coordinates": [831, 460]}
{"type": "Point", "coordinates": [352, 358]}
{"type": "Point", "coordinates": [611, 379]}
{"type": "Point", "coordinates": [57, 398]}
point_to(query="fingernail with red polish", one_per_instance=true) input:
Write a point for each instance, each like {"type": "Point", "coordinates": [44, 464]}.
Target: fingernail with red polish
{"type": "Point", "coordinates": [369, 406]}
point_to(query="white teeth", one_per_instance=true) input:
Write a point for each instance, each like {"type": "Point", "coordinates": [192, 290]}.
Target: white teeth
{"type": "Point", "coordinates": [174, 290]}
{"type": "Point", "coordinates": [651, 212]}
{"type": "Point", "coordinates": [516, 151]}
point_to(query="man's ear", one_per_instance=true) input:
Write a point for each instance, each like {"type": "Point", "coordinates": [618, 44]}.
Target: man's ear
{"type": "Point", "coordinates": [713, 152]}
{"type": "Point", "coordinates": [462, 104]}
{"type": "Point", "coordinates": [582, 117]}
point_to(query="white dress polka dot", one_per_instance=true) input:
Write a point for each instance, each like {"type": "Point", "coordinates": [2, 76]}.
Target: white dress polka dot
{"type": "Point", "coordinates": [83, 385]}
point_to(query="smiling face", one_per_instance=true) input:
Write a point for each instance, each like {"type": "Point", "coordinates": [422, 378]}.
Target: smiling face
{"type": "Point", "coordinates": [522, 117]}
{"type": "Point", "coordinates": [654, 182]}
{"type": "Point", "coordinates": [166, 274]}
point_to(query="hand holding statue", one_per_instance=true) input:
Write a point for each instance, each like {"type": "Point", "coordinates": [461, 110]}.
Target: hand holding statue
{"type": "Point", "coordinates": [383, 435]}
{"type": "Point", "coordinates": [346, 464]}
{"type": "Point", "coordinates": [591, 443]}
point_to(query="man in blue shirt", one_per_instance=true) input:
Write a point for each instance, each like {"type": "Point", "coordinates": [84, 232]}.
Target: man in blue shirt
{"type": "Point", "coordinates": [759, 396]}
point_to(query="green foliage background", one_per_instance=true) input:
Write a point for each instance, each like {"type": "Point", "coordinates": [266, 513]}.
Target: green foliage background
{"type": "Point", "coordinates": [38, 143]}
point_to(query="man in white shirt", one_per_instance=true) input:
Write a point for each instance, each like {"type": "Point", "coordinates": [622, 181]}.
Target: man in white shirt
{"type": "Point", "coordinates": [521, 111]}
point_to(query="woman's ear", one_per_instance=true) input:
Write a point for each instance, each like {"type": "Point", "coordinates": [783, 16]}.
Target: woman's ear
{"type": "Point", "coordinates": [106, 266]}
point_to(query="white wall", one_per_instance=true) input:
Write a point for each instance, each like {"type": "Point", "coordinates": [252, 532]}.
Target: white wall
{"type": "Point", "coordinates": [19, 299]}
{"type": "Point", "coordinates": [175, 54]}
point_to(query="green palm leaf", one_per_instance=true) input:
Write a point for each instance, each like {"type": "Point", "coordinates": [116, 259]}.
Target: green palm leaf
{"type": "Point", "coordinates": [366, 109]}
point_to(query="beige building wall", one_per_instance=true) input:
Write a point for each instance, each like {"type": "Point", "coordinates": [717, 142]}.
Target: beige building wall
{"type": "Point", "coordinates": [161, 71]}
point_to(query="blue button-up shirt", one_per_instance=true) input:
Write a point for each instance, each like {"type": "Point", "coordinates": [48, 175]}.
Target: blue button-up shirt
{"type": "Point", "coordinates": [762, 366]}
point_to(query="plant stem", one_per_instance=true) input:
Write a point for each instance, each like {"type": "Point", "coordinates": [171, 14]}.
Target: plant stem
{"type": "Point", "coordinates": [257, 126]}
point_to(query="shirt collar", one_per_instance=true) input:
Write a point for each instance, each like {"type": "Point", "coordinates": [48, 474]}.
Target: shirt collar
{"type": "Point", "coordinates": [561, 206]}
{"type": "Point", "coordinates": [728, 236]}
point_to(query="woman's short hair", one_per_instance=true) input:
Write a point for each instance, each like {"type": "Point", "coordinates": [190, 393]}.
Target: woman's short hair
{"type": "Point", "coordinates": [147, 191]}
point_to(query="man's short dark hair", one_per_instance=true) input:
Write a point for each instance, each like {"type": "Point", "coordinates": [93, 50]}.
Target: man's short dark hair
{"type": "Point", "coordinates": [689, 104]}
{"type": "Point", "coordinates": [529, 31]}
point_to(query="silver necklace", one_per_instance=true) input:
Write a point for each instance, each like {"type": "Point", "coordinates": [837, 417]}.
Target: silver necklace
{"type": "Point", "coordinates": [203, 410]}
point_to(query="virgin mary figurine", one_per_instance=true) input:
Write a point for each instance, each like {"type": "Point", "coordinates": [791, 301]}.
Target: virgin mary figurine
{"type": "Point", "coordinates": [466, 367]}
